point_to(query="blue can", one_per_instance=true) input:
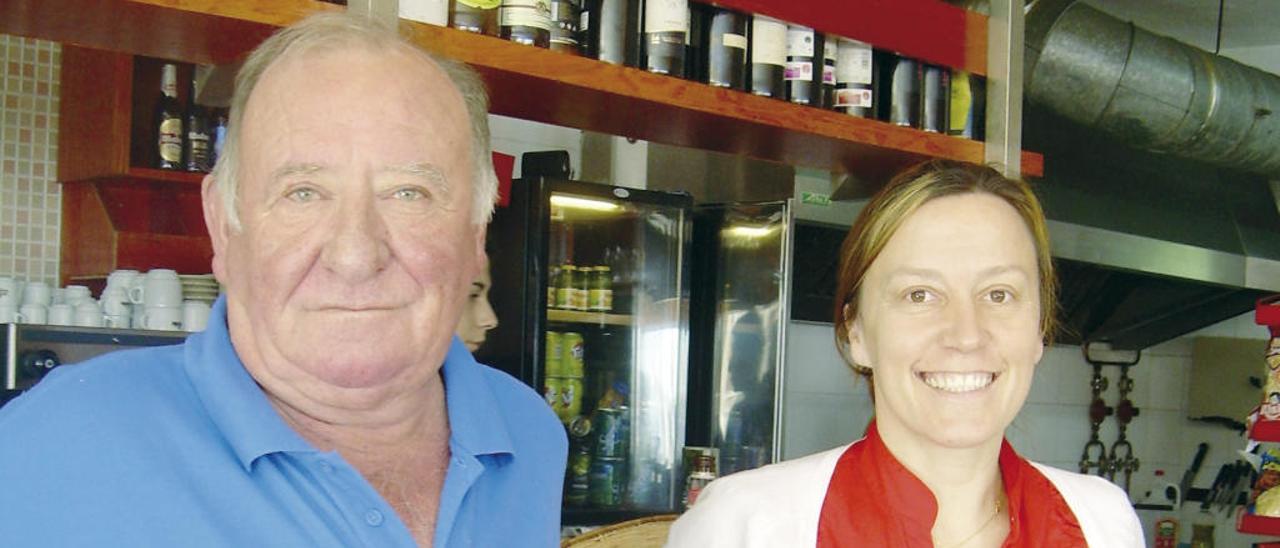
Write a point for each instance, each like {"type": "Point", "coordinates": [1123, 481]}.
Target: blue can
{"type": "Point", "coordinates": [613, 432]}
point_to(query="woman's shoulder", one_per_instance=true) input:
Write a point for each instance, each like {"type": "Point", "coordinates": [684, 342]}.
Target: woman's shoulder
{"type": "Point", "coordinates": [773, 505]}
{"type": "Point", "coordinates": [1103, 509]}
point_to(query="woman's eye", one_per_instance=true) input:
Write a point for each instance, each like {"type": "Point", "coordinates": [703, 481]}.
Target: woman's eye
{"type": "Point", "coordinates": [999, 296]}
{"type": "Point", "coordinates": [303, 194]}
{"type": "Point", "coordinates": [409, 194]}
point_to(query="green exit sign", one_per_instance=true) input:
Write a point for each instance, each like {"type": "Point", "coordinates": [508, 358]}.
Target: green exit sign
{"type": "Point", "coordinates": [815, 198]}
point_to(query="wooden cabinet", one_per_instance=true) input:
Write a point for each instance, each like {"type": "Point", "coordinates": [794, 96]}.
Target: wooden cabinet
{"type": "Point", "coordinates": [524, 82]}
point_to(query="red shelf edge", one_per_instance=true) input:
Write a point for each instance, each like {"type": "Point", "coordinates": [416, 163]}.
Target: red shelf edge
{"type": "Point", "coordinates": [1257, 525]}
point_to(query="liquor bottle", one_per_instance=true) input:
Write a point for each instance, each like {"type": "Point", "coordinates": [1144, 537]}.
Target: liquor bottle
{"type": "Point", "coordinates": [801, 44]}
{"type": "Point", "coordinates": [935, 98]}
{"type": "Point", "coordinates": [768, 54]}
{"type": "Point", "coordinates": [566, 16]}
{"type": "Point", "coordinates": [703, 473]}
{"type": "Point", "coordinates": [478, 16]}
{"type": "Point", "coordinates": [666, 30]}
{"type": "Point", "coordinates": [968, 105]}
{"type": "Point", "coordinates": [526, 22]}
{"type": "Point", "coordinates": [169, 120]}
{"type": "Point", "coordinates": [197, 146]}
{"type": "Point", "coordinates": [902, 79]}
{"type": "Point", "coordinates": [611, 31]}
{"type": "Point", "coordinates": [827, 80]}
{"type": "Point", "coordinates": [727, 49]}
{"type": "Point", "coordinates": [695, 48]}
{"type": "Point", "coordinates": [855, 83]}
{"type": "Point", "coordinates": [219, 135]}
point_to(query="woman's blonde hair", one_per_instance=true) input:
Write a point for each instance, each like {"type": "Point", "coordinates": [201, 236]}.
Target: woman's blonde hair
{"type": "Point", "coordinates": [901, 197]}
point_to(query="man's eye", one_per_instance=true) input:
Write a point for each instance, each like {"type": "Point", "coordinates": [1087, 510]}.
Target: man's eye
{"type": "Point", "coordinates": [409, 194]}
{"type": "Point", "coordinates": [303, 194]}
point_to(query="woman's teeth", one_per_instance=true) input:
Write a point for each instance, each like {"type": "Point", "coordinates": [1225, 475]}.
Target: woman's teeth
{"type": "Point", "coordinates": [958, 382]}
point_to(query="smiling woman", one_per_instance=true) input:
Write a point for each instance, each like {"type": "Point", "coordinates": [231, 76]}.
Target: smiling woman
{"type": "Point", "coordinates": [945, 299]}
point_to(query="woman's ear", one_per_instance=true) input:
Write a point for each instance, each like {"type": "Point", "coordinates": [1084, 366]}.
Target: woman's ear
{"type": "Point", "coordinates": [857, 341]}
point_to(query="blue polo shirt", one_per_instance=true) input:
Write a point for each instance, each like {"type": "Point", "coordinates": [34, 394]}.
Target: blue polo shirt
{"type": "Point", "coordinates": [178, 446]}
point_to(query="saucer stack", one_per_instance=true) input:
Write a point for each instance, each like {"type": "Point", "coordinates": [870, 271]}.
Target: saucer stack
{"type": "Point", "coordinates": [200, 287]}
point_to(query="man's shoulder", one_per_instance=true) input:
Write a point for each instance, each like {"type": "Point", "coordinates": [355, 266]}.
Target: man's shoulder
{"type": "Point", "coordinates": [116, 384]}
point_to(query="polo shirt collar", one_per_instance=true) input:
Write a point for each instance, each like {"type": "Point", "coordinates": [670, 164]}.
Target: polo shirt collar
{"type": "Point", "coordinates": [239, 408]}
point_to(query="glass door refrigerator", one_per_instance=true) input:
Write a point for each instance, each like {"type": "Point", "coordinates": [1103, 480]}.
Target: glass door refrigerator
{"type": "Point", "coordinates": [590, 285]}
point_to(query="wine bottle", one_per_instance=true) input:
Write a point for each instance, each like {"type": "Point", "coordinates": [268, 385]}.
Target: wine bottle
{"type": "Point", "coordinates": [611, 31]}
{"type": "Point", "coordinates": [855, 86]}
{"type": "Point", "coordinates": [799, 72]}
{"type": "Point", "coordinates": [566, 16]}
{"type": "Point", "coordinates": [695, 48]}
{"type": "Point", "coordinates": [526, 22]}
{"type": "Point", "coordinates": [768, 54]}
{"type": "Point", "coordinates": [197, 145]}
{"type": "Point", "coordinates": [827, 80]}
{"type": "Point", "coordinates": [935, 98]}
{"type": "Point", "coordinates": [478, 16]}
{"type": "Point", "coordinates": [727, 49]}
{"type": "Point", "coordinates": [219, 134]}
{"type": "Point", "coordinates": [666, 30]}
{"type": "Point", "coordinates": [169, 120]}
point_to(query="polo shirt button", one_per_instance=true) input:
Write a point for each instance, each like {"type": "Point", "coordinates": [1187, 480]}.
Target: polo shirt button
{"type": "Point", "coordinates": [324, 465]}
{"type": "Point", "coordinates": [373, 517]}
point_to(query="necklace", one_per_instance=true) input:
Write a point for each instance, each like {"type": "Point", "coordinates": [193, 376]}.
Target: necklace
{"type": "Point", "coordinates": [980, 528]}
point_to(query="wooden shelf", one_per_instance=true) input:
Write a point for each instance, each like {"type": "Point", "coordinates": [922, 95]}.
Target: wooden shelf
{"type": "Point", "coordinates": [593, 318]}
{"type": "Point", "coordinates": [561, 89]}
{"type": "Point", "coordinates": [168, 175]}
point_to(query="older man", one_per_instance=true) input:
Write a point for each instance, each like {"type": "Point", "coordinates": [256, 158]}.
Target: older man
{"type": "Point", "coordinates": [328, 404]}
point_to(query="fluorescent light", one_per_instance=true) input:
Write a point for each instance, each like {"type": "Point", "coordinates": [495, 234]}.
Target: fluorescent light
{"type": "Point", "coordinates": [583, 203]}
{"type": "Point", "coordinates": [748, 231]}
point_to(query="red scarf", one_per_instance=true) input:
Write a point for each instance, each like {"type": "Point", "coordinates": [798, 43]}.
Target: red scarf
{"type": "Point", "coordinates": [873, 500]}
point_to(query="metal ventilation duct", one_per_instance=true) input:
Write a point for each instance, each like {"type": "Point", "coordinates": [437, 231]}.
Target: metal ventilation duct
{"type": "Point", "coordinates": [1149, 91]}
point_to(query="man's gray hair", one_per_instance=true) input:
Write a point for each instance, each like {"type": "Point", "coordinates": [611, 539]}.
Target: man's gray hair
{"type": "Point", "coordinates": [331, 31]}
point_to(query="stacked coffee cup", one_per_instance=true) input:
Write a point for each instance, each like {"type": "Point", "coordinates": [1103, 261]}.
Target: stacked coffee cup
{"type": "Point", "coordinates": [131, 299]}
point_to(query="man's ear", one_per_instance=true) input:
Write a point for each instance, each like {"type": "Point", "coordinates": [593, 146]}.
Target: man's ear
{"type": "Point", "coordinates": [215, 221]}
{"type": "Point", "coordinates": [857, 341]}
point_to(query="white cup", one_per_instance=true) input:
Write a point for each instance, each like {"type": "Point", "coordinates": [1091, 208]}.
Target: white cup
{"type": "Point", "coordinates": [10, 292]}
{"type": "Point", "coordinates": [37, 293]}
{"type": "Point", "coordinates": [57, 295]}
{"type": "Point", "coordinates": [33, 313]}
{"type": "Point", "coordinates": [61, 314]}
{"type": "Point", "coordinates": [8, 313]}
{"type": "Point", "coordinates": [88, 314]}
{"type": "Point", "coordinates": [195, 315]}
{"type": "Point", "coordinates": [73, 294]}
{"type": "Point", "coordinates": [115, 301]}
{"type": "Point", "coordinates": [160, 288]}
{"type": "Point", "coordinates": [116, 321]}
{"type": "Point", "coordinates": [162, 318]}
{"type": "Point", "coordinates": [122, 279]}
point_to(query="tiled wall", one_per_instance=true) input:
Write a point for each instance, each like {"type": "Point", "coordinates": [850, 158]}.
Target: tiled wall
{"type": "Point", "coordinates": [30, 199]}
{"type": "Point", "coordinates": [826, 407]}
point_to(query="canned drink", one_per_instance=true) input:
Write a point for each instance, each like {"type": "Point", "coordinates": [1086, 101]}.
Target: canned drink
{"type": "Point", "coordinates": [612, 433]}
{"type": "Point", "coordinates": [551, 389]}
{"type": "Point", "coordinates": [605, 481]}
{"type": "Point", "coordinates": [600, 297]}
{"type": "Point", "coordinates": [574, 348]}
{"type": "Point", "coordinates": [555, 354]}
{"type": "Point", "coordinates": [564, 286]}
{"type": "Point", "coordinates": [570, 398]}
{"type": "Point", "coordinates": [578, 477]}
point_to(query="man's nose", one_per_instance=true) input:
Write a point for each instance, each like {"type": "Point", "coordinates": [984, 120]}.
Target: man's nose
{"type": "Point", "coordinates": [357, 247]}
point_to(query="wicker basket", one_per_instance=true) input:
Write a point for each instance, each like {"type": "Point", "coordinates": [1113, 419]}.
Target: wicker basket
{"type": "Point", "coordinates": [649, 532]}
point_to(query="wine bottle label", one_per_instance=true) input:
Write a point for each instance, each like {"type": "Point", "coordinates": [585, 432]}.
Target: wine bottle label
{"type": "Point", "coordinates": [666, 16]}
{"type": "Point", "coordinates": [584, 21]}
{"type": "Point", "coordinates": [853, 62]}
{"type": "Point", "coordinates": [526, 13]}
{"type": "Point", "coordinates": [481, 4]}
{"type": "Point", "coordinates": [171, 140]}
{"type": "Point", "coordinates": [769, 41]}
{"type": "Point", "coordinates": [731, 40]}
{"type": "Point", "coordinates": [830, 49]}
{"type": "Point", "coordinates": [828, 75]}
{"type": "Point", "coordinates": [799, 42]}
{"type": "Point", "coordinates": [846, 98]}
{"type": "Point", "coordinates": [798, 70]}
